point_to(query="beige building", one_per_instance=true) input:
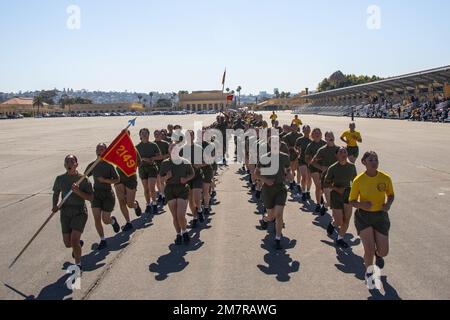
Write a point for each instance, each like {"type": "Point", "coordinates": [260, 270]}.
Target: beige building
{"type": "Point", "coordinates": [15, 107]}
{"type": "Point", "coordinates": [203, 101]}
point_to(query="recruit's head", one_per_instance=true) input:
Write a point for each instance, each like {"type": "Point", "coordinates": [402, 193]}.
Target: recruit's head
{"type": "Point", "coordinates": [100, 149]}
{"type": "Point", "coordinates": [370, 160]}
{"type": "Point", "coordinates": [71, 163]}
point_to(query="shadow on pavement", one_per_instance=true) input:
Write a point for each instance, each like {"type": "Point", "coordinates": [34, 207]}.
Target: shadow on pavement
{"type": "Point", "coordinates": [175, 261]}
{"type": "Point", "coordinates": [350, 263]}
{"type": "Point", "coordinates": [390, 293]}
{"type": "Point", "coordinates": [279, 263]}
{"type": "Point", "coordinates": [94, 260]}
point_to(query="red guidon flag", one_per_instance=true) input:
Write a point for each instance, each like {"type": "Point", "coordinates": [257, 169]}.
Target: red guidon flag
{"type": "Point", "coordinates": [122, 154]}
{"type": "Point", "coordinates": [230, 98]}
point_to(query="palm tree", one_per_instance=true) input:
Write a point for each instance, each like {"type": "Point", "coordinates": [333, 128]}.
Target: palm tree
{"type": "Point", "coordinates": [140, 98]}
{"type": "Point", "coordinates": [227, 90]}
{"type": "Point", "coordinates": [151, 99]}
{"type": "Point", "coordinates": [239, 93]}
{"type": "Point", "coordinates": [38, 102]}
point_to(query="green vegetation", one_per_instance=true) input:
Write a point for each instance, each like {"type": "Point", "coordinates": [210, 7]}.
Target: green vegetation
{"type": "Point", "coordinates": [339, 80]}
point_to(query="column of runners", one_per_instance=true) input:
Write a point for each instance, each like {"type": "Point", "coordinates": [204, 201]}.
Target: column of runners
{"type": "Point", "coordinates": [177, 184]}
{"type": "Point", "coordinates": [305, 158]}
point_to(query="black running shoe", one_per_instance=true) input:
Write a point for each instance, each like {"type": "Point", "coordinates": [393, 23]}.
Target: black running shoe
{"type": "Point", "coordinates": [179, 240]}
{"type": "Point", "coordinates": [194, 223]}
{"type": "Point", "coordinates": [213, 194]}
{"type": "Point", "coordinates": [308, 195]}
{"type": "Point", "coordinates": [258, 195]}
{"type": "Point", "coordinates": [304, 197]}
{"type": "Point", "coordinates": [248, 171]}
{"type": "Point", "coordinates": [264, 224]}
{"type": "Point", "coordinates": [148, 209]}
{"type": "Point", "coordinates": [138, 210]}
{"type": "Point", "coordinates": [127, 227]}
{"type": "Point", "coordinates": [291, 186]}
{"type": "Point", "coordinates": [201, 217]}
{"type": "Point", "coordinates": [318, 207]}
{"type": "Point", "coordinates": [330, 229]}
{"type": "Point", "coordinates": [379, 261]}
{"type": "Point", "coordinates": [115, 225]}
{"type": "Point", "coordinates": [323, 211]}
{"type": "Point", "coordinates": [102, 245]}
{"type": "Point", "coordinates": [206, 212]}
{"type": "Point", "coordinates": [160, 198]}
{"type": "Point", "coordinates": [253, 188]}
{"type": "Point", "coordinates": [186, 238]}
{"type": "Point", "coordinates": [342, 244]}
{"type": "Point", "coordinates": [155, 209]}
{"type": "Point", "coordinates": [278, 245]}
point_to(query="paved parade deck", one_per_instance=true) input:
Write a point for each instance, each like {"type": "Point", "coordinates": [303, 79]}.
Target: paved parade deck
{"type": "Point", "coordinates": [231, 258]}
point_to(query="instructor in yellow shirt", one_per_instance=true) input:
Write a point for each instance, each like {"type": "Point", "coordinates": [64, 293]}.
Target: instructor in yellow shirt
{"type": "Point", "coordinates": [351, 139]}
{"type": "Point", "coordinates": [372, 194]}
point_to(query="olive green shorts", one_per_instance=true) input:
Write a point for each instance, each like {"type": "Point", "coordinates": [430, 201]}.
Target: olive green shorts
{"type": "Point", "coordinates": [215, 168]}
{"type": "Point", "coordinates": [339, 200]}
{"type": "Point", "coordinates": [301, 162]}
{"type": "Point", "coordinates": [148, 172]}
{"type": "Point", "coordinates": [293, 155]}
{"type": "Point", "coordinates": [130, 183]}
{"type": "Point", "coordinates": [273, 196]}
{"type": "Point", "coordinates": [73, 219]}
{"type": "Point", "coordinates": [353, 151]}
{"type": "Point", "coordinates": [379, 221]}
{"type": "Point", "coordinates": [104, 200]}
{"type": "Point", "coordinates": [208, 174]}
{"type": "Point", "coordinates": [313, 169]}
{"type": "Point", "coordinates": [176, 191]}
{"type": "Point", "coordinates": [197, 181]}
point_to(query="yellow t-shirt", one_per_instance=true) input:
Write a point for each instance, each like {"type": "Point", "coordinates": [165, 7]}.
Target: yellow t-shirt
{"type": "Point", "coordinates": [297, 122]}
{"type": "Point", "coordinates": [373, 189]}
{"type": "Point", "coordinates": [352, 138]}
{"type": "Point", "coordinates": [273, 117]}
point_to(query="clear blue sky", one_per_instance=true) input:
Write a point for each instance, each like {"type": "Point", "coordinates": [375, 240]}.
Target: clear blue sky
{"type": "Point", "coordinates": [171, 45]}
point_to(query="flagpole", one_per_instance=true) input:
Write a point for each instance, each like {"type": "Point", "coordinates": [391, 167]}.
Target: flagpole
{"type": "Point", "coordinates": [86, 174]}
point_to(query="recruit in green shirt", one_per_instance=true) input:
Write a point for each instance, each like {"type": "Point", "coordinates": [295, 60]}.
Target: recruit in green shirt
{"type": "Point", "coordinates": [63, 184]}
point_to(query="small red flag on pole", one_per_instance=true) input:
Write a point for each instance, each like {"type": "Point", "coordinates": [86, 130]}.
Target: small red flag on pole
{"type": "Point", "coordinates": [122, 154]}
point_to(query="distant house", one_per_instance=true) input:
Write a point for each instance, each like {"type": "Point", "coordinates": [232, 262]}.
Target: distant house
{"type": "Point", "coordinates": [20, 102]}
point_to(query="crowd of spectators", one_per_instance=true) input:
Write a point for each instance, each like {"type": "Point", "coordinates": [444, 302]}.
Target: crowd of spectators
{"type": "Point", "coordinates": [436, 110]}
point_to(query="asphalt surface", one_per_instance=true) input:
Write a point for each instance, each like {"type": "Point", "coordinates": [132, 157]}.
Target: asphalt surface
{"type": "Point", "coordinates": [229, 258]}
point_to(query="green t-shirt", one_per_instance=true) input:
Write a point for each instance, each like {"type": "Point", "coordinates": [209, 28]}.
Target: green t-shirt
{"type": "Point", "coordinates": [63, 184]}
{"type": "Point", "coordinates": [182, 170]}
{"type": "Point", "coordinates": [103, 170]}
{"type": "Point", "coordinates": [147, 150]}
{"type": "Point", "coordinates": [313, 147]}
{"type": "Point", "coordinates": [195, 157]}
{"type": "Point", "coordinates": [341, 176]}
{"type": "Point", "coordinates": [291, 138]}
{"type": "Point", "coordinates": [284, 163]}
{"type": "Point", "coordinates": [327, 156]}
{"type": "Point", "coordinates": [302, 143]}
{"type": "Point", "coordinates": [164, 148]}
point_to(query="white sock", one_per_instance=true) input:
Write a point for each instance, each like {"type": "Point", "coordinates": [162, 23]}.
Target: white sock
{"type": "Point", "coordinates": [340, 238]}
{"type": "Point", "coordinates": [278, 238]}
